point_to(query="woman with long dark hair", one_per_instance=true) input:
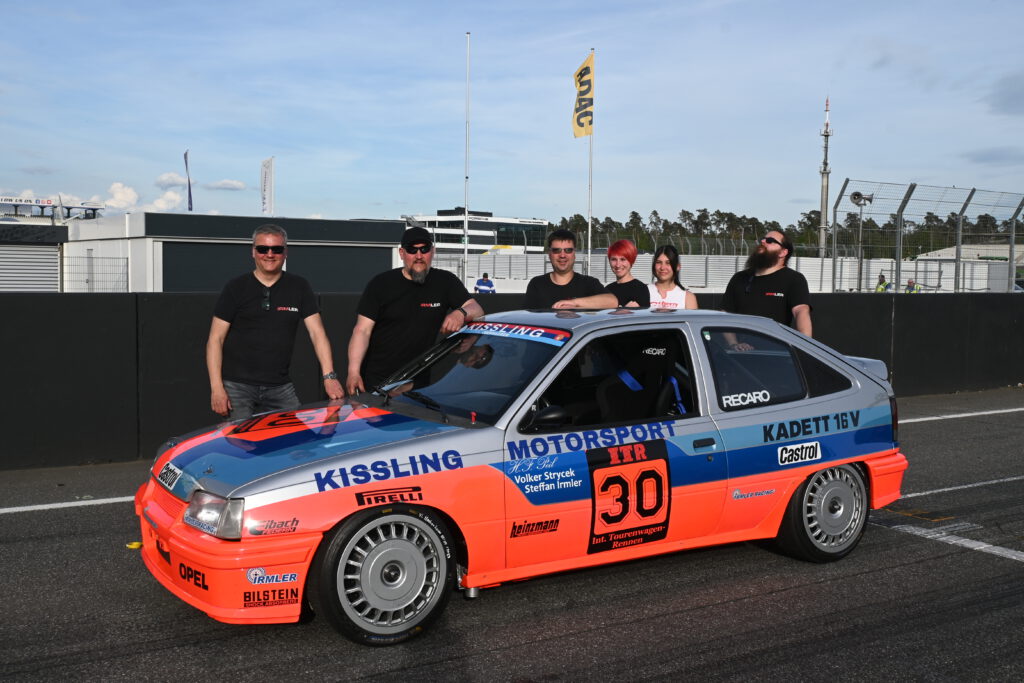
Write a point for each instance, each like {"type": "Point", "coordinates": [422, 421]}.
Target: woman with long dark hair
{"type": "Point", "coordinates": [630, 292]}
{"type": "Point", "coordinates": [666, 290]}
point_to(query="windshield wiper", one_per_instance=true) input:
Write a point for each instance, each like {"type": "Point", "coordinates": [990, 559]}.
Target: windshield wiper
{"type": "Point", "coordinates": [427, 401]}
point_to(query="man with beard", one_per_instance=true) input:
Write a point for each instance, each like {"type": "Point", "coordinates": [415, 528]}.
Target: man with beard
{"type": "Point", "coordinates": [767, 287]}
{"type": "Point", "coordinates": [563, 287]}
{"type": "Point", "coordinates": [402, 311]}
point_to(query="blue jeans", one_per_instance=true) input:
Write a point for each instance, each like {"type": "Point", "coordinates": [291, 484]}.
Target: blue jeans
{"type": "Point", "coordinates": [248, 399]}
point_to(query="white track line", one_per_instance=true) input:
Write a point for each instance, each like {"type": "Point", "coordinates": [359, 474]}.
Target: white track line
{"type": "Point", "coordinates": [950, 417]}
{"type": "Point", "coordinates": [960, 488]}
{"type": "Point", "coordinates": [941, 534]}
{"type": "Point", "coordinates": [71, 504]}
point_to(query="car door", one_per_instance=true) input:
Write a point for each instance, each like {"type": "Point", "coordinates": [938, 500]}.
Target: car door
{"type": "Point", "coordinates": [779, 409]}
{"type": "Point", "coordinates": [615, 453]}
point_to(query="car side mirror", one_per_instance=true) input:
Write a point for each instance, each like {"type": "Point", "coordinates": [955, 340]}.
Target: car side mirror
{"type": "Point", "coordinates": [549, 417]}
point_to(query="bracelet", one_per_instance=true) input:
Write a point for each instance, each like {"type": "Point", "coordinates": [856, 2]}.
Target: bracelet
{"type": "Point", "coordinates": [331, 375]}
{"type": "Point", "coordinates": [465, 316]}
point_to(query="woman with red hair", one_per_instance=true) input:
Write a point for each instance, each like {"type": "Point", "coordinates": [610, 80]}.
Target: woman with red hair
{"type": "Point", "coordinates": [627, 289]}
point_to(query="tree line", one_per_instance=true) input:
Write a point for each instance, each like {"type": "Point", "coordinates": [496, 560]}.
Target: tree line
{"type": "Point", "coordinates": [927, 233]}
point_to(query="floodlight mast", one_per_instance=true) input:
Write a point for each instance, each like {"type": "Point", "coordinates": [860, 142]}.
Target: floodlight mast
{"type": "Point", "coordinates": [826, 133]}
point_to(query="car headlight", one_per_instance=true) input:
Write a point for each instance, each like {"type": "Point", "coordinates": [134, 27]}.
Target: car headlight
{"type": "Point", "coordinates": [216, 515]}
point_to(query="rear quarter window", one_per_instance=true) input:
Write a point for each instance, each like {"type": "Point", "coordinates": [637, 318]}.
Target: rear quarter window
{"type": "Point", "coordinates": [821, 378]}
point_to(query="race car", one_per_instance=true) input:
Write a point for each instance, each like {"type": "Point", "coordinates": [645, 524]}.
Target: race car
{"type": "Point", "coordinates": [527, 443]}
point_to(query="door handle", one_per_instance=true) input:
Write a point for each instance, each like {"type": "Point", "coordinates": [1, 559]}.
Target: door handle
{"type": "Point", "coordinates": [702, 443]}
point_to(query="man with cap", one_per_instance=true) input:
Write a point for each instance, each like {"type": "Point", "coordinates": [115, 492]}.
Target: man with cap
{"type": "Point", "coordinates": [401, 312]}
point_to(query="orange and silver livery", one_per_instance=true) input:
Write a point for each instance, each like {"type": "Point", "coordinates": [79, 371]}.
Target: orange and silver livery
{"type": "Point", "coordinates": [527, 443]}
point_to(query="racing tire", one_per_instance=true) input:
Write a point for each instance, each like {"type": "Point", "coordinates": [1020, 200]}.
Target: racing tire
{"type": "Point", "coordinates": [826, 517]}
{"type": "Point", "coordinates": [383, 575]}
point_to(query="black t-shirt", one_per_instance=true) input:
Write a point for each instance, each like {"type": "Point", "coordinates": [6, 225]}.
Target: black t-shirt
{"type": "Point", "coordinates": [634, 290]}
{"type": "Point", "coordinates": [259, 343]}
{"type": "Point", "coordinates": [541, 292]}
{"type": "Point", "coordinates": [407, 318]}
{"type": "Point", "coordinates": [772, 296]}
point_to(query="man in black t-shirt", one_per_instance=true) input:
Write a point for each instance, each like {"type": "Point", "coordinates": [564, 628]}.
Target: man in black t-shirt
{"type": "Point", "coordinates": [252, 335]}
{"type": "Point", "coordinates": [769, 288]}
{"type": "Point", "coordinates": [402, 311]}
{"type": "Point", "coordinates": [563, 287]}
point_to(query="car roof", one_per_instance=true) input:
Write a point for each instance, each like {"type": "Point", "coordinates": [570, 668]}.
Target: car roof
{"type": "Point", "coordinates": [579, 320]}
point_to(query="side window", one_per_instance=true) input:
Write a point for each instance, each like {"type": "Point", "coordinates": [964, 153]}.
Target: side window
{"type": "Point", "coordinates": [821, 379]}
{"type": "Point", "coordinates": [752, 369]}
{"type": "Point", "coordinates": [626, 377]}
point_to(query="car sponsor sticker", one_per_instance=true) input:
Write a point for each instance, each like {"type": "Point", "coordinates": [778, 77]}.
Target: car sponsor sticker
{"type": "Point", "coordinates": [799, 453]}
{"type": "Point", "coordinates": [746, 399]}
{"type": "Point", "coordinates": [169, 475]}
{"type": "Point", "coordinates": [544, 526]}
{"type": "Point", "coordinates": [270, 598]}
{"type": "Point", "coordinates": [541, 334]}
{"type": "Point", "coordinates": [631, 495]}
{"type": "Point", "coordinates": [402, 494]}
{"type": "Point", "coordinates": [259, 576]}
{"type": "Point", "coordinates": [272, 527]}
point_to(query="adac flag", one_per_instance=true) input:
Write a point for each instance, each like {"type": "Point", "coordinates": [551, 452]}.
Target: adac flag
{"type": "Point", "coordinates": [583, 114]}
{"type": "Point", "coordinates": [188, 179]}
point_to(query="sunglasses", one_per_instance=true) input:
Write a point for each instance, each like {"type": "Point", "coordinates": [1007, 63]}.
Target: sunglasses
{"type": "Point", "coordinates": [266, 299]}
{"type": "Point", "coordinates": [264, 248]}
{"type": "Point", "coordinates": [562, 250]}
{"type": "Point", "coordinates": [422, 249]}
{"type": "Point", "coordinates": [771, 240]}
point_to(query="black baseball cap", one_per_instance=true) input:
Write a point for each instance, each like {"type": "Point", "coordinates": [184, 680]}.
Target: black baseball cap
{"type": "Point", "coordinates": [414, 236]}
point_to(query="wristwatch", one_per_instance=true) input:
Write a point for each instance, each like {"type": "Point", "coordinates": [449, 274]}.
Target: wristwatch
{"type": "Point", "coordinates": [331, 375]}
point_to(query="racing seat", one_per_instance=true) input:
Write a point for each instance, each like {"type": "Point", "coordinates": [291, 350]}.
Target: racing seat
{"type": "Point", "coordinates": [631, 392]}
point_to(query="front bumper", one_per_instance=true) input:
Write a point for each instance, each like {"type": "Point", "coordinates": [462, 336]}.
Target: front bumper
{"type": "Point", "coordinates": [251, 581]}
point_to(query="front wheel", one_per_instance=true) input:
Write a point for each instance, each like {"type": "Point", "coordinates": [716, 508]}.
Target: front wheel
{"type": "Point", "coordinates": [383, 575]}
{"type": "Point", "coordinates": [826, 516]}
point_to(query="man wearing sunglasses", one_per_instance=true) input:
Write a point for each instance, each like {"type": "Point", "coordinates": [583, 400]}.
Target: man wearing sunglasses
{"type": "Point", "coordinates": [252, 335]}
{"type": "Point", "coordinates": [402, 311]}
{"type": "Point", "coordinates": [563, 287]}
{"type": "Point", "coordinates": [769, 288]}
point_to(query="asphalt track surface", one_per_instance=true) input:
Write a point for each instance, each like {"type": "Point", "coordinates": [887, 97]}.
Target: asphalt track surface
{"type": "Point", "coordinates": [935, 592]}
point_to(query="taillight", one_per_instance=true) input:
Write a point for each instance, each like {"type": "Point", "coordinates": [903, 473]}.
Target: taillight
{"type": "Point", "coordinates": [895, 420]}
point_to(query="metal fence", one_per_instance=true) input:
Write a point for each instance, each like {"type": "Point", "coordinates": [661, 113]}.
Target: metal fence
{"type": "Point", "coordinates": [711, 273]}
{"type": "Point", "coordinates": [95, 274]}
{"type": "Point", "coordinates": [954, 229]}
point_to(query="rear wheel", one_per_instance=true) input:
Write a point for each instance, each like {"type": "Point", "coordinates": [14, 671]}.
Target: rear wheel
{"type": "Point", "coordinates": [826, 516]}
{"type": "Point", "coordinates": [383, 575]}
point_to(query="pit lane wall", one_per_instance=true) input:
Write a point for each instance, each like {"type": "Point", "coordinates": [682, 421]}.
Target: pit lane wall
{"type": "Point", "coordinates": [95, 378]}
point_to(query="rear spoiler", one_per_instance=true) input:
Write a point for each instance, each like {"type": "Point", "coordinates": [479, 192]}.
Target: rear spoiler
{"type": "Point", "coordinates": [871, 366]}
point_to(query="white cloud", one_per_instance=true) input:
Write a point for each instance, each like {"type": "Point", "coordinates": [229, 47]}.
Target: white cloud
{"type": "Point", "coordinates": [122, 197]}
{"type": "Point", "coordinates": [168, 180]}
{"type": "Point", "coordinates": [232, 185]}
{"type": "Point", "coordinates": [168, 201]}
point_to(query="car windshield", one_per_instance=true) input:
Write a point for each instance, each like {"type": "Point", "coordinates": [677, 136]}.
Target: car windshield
{"type": "Point", "coordinates": [476, 373]}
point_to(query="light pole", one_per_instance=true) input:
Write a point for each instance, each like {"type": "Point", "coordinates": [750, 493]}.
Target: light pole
{"type": "Point", "coordinates": [860, 199]}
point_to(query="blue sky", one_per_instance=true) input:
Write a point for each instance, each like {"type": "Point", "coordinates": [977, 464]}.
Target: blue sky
{"type": "Point", "coordinates": [713, 103]}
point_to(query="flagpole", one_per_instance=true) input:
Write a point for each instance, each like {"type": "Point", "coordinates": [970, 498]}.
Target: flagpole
{"type": "Point", "coordinates": [465, 217]}
{"type": "Point", "coordinates": [590, 198]}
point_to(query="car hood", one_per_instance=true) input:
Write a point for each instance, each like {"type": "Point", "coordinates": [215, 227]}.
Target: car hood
{"type": "Point", "coordinates": [238, 453]}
